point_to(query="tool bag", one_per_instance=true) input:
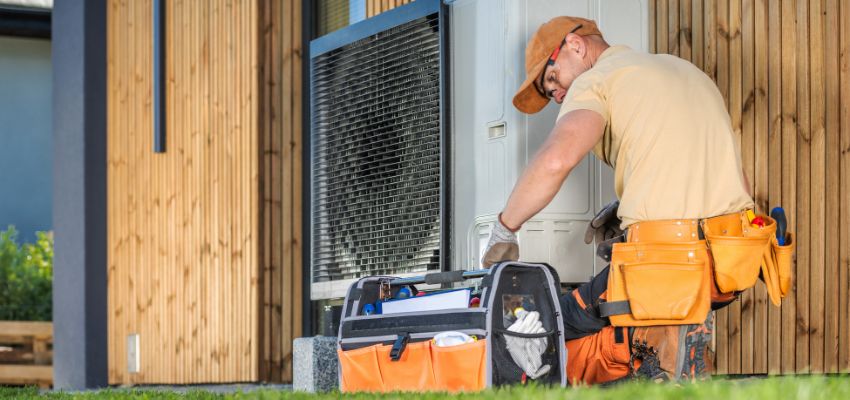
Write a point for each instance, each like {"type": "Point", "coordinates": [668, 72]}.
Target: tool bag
{"type": "Point", "coordinates": [395, 352]}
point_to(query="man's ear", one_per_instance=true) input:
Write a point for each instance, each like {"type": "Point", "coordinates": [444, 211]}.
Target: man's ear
{"type": "Point", "coordinates": [576, 44]}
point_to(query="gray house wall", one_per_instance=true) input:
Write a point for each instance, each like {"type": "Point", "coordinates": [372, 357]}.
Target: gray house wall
{"type": "Point", "coordinates": [26, 136]}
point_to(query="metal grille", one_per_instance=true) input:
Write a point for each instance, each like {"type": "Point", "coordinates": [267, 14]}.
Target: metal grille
{"type": "Point", "coordinates": [377, 154]}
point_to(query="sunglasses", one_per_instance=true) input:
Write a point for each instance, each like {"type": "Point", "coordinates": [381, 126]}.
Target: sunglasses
{"type": "Point", "coordinates": [551, 61]}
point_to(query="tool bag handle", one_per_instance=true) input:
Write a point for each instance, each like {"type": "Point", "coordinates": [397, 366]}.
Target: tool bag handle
{"type": "Point", "coordinates": [436, 278]}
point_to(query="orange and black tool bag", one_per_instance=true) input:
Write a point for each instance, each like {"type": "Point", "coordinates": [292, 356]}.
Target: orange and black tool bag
{"type": "Point", "coordinates": [395, 352]}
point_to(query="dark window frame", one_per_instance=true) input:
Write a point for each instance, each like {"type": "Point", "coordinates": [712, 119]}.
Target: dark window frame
{"type": "Point", "coordinates": [27, 22]}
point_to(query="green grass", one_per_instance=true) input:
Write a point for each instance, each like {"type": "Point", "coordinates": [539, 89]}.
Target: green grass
{"type": "Point", "coordinates": [772, 388]}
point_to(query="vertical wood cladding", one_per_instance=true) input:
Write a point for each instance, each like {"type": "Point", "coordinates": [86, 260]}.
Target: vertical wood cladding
{"type": "Point", "coordinates": [189, 239]}
{"type": "Point", "coordinates": [375, 7]}
{"type": "Point", "coordinates": [281, 220]}
{"type": "Point", "coordinates": [783, 67]}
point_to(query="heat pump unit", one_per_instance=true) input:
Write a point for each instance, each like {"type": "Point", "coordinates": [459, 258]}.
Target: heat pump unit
{"type": "Point", "coordinates": [416, 145]}
{"type": "Point", "coordinates": [379, 159]}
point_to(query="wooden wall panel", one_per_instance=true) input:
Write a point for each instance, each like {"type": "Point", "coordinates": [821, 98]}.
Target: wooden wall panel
{"type": "Point", "coordinates": [844, 183]}
{"type": "Point", "coordinates": [782, 66]}
{"type": "Point", "coordinates": [831, 200]}
{"type": "Point", "coordinates": [375, 7]}
{"type": "Point", "coordinates": [281, 220]}
{"type": "Point", "coordinates": [184, 225]}
{"type": "Point", "coordinates": [774, 152]}
{"type": "Point", "coordinates": [789, 172]}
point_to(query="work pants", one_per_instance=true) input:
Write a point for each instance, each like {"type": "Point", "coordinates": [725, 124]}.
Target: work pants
{"type": "Point", "coordinates": [598, 352]}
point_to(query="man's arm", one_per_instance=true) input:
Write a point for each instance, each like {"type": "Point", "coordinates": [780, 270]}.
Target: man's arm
{"type": "Point", "coordinates": [573, 136]}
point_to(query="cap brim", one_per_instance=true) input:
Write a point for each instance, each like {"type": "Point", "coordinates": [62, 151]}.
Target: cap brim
{"type": "Point", "coordinates": [527, 99]}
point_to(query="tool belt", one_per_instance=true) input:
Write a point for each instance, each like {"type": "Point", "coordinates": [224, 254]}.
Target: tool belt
{"type": "Point", "coordinates": [665, 272]}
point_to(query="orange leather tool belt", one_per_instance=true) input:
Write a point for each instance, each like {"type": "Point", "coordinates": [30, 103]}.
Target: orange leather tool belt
{"type": "Point", "coordinates": [665, 272]}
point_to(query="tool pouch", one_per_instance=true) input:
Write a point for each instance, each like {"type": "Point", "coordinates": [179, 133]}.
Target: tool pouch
{"type": "Point", "coordinates": [738, 249]}
{"type": "Point", "coordinates": [782, 256]}
{"type": "Point", "coordinates": [776, 268]}
{"type": "Point", "coordinates": [658, 284]}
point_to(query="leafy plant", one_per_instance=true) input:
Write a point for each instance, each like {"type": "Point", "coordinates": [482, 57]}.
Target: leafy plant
{"type": "Point", "coordinates": [26, 277]}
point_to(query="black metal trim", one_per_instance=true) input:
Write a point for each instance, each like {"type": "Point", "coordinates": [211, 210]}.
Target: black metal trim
{"type": "Point", "coordinates": [159, 76]}
{"type": "Point", "coordinates": [374, 25]}
{"type": "Point", "coordinates": [310, 153]}
{"type": "Point", "coordinates": [445, 141]}
{"type": "Point", "coordinates": [307, 13]}
{"type": "Point", "coordinates": [26, 22]}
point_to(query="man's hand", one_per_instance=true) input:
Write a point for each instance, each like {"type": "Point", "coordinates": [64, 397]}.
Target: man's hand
{"type": "Point", "coordinates": [605, 225]}
{"type": "Point", "coordinates": [502, 246]}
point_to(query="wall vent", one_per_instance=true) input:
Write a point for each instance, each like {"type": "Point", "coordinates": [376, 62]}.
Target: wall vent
{"type": "Point", "coordinates": [378, 148]}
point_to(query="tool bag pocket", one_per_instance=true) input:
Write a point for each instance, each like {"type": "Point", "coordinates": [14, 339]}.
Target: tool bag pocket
{"type": "Point", "coordinates": [412, 371]}
{"type": "Point", "coordinates": [737, 249]}
{"type": "Point", "coordinates": [658, 284]}
{"type": "Point", "coordinates": [422, 366]}
{"type": "Point", "coordinates": [783, 257]}
{"type": "Point", "coordinates": [776, 269]}
{"type": "Point", "coordinates": [460, 368]}
{"type": "Point", "coordinates": [359, 370]}
{"type": "Point", "coordinates": [649, 301]}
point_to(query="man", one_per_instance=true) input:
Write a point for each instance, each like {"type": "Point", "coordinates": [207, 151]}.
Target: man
{"type": "Point", "coordinates": [662, 125]}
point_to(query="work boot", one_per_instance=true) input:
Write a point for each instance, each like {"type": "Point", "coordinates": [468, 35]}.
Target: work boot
{"type": "Point", "coordinates": [682, 352]}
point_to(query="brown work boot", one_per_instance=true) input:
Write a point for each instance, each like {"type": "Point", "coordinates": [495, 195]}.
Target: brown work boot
{"type": "Point", "coordinates": [673, 352]}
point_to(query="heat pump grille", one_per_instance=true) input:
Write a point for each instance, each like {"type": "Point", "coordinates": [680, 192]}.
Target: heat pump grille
{"type": "Point", "coordinates": [376, 166]}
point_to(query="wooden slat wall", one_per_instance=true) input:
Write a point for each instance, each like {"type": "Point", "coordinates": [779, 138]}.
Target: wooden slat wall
{"type": "Point", "coordinates": [184, 225]}
{"type": "Point", "coordinates": [281, 97]}
{"type": "Point", "coordinates": [783, 67]}
{"type": "Point", "coordinates": [375, 7]}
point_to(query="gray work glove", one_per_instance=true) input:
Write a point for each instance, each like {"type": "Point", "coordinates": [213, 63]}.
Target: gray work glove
{"type": "Point", "coordinates": [527, 353]}
{"type": "Point", "coordinates": [502, 246]}
{"type": "Point", "coordinates": [605, 225]}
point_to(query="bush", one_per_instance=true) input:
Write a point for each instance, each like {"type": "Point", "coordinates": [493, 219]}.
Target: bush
{"type": "Point", "coordinates": [26, 277]}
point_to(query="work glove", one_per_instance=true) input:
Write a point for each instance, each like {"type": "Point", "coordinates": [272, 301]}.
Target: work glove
{"type": "Point", "coordinates": [605, 225]}
{"type": "Point", "coordinates": [502, 246]}
{"type": "Point", "coordinates": [527, 353]}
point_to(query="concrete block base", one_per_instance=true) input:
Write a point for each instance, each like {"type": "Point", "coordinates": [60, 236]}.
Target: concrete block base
{"type": "Point", "coordinates": [315, 365]}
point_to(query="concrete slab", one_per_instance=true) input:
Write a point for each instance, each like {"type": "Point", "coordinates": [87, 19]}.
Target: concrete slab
{"type": "Point", "coordinates": [315, 364]}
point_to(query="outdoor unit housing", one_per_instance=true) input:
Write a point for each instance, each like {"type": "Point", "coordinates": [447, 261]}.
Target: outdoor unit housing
{"type": "Point", "coordinates": [416, 145]}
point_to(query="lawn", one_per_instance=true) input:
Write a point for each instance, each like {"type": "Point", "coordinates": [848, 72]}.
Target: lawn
{"type": "Point", "coordinates": [837, 387]}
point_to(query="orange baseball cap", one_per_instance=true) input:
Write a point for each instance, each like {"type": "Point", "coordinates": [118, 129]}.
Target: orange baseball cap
{"type": "Point", "coordinates": [540, 47]}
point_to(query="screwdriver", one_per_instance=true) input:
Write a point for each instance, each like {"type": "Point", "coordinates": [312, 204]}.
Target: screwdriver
{"type": "Point", "coordinates": [778, 214]}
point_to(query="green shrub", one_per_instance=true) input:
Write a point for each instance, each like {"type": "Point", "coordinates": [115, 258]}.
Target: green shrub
{"type": "Point", "coordinates": [26, 277]}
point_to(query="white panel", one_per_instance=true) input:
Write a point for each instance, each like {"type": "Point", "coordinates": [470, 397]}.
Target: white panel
{"type": "Point", "coordinates": [496, 189]}
{"type": "Point", "coordinates": [568, 244]}
{"type": "Point", "coordinates": [624, 22]}
{"type": "Point", "coordinates": [534, 242]}
{"type": "Point", "coordinates": [133, 354]}
{"type": "Point", "coordinates": [468, 130]}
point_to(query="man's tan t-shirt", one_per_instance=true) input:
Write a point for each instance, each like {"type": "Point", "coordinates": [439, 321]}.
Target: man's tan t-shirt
{"type": "Point", "coordinates": [668, 136]}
